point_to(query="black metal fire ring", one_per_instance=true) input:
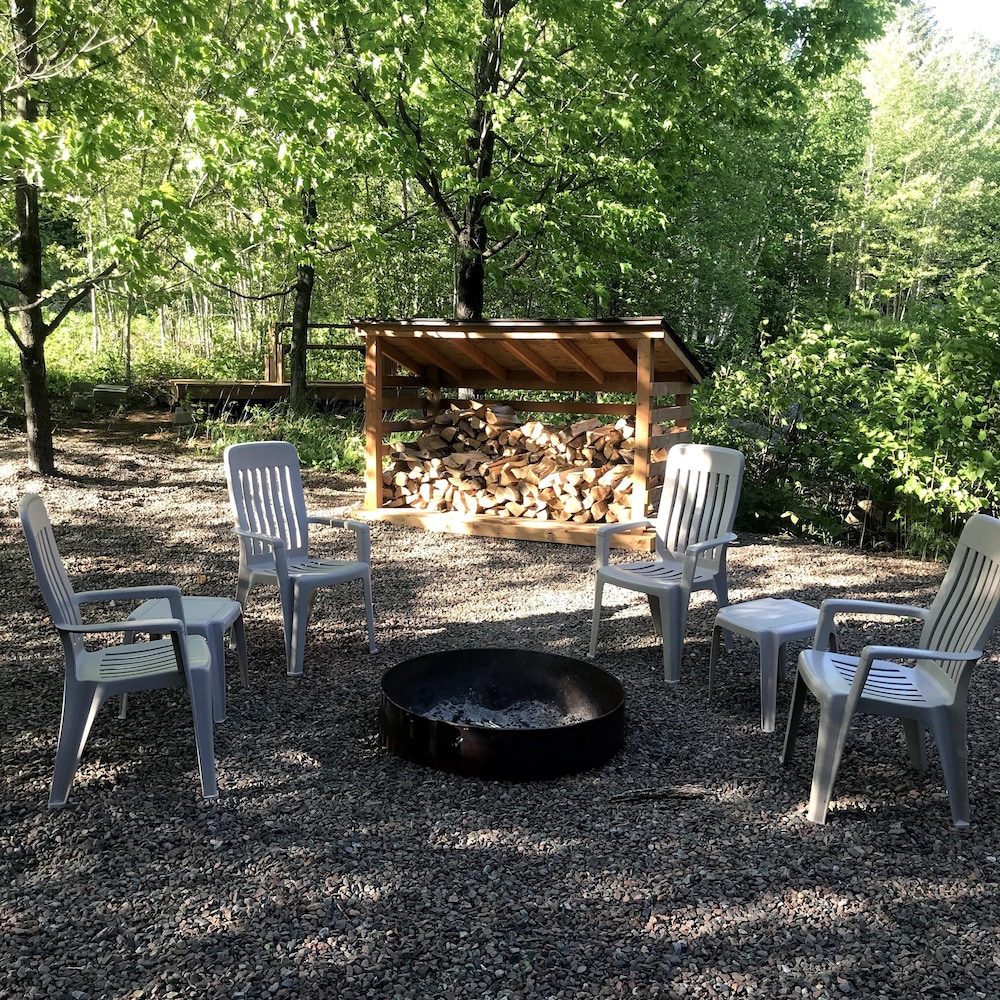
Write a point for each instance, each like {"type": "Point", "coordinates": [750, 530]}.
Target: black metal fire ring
{"type": "Point", "coordinates": [495, 680]}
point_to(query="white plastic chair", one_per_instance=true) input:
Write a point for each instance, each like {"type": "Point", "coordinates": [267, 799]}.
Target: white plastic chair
{"type": "Point", "coordinates": [929, 690]}
{"type": "Point", "coordinates": [93, 676]}
{"type": "Point", "coordinates": [694, 528]}
{"type": "Point", "coordinates": [265, 490]}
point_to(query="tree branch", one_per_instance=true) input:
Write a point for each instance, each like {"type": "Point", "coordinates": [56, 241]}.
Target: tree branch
{"type": "Point", "coordinates": [77, 297]}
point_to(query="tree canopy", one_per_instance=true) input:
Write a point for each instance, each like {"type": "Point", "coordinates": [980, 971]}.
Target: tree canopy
{"type": "Point", "coordinates": [719, 162]}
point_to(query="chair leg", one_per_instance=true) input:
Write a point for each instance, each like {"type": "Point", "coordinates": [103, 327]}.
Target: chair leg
{"type": "Point", "coordinates": [916, 744]}
{"type": "Point", "coordinates": [297, 639]}
{"type": "Point", "coordinates": [770, 651]}
{"type": "Point", "coordinates": [656, 611]}
{"type": "Point", "coordinates": [595, 625]}
{"type": "Point", "coordinates": [81, 703]}
{"type": "Point", "coordinates": [127, 637]}
{"type": "Point", "coordinates": [201, 690]}
{"type": "Point", "coordinates": [951, 736]}
{"type": "Point", "coordinates": [799, 690]}
{"type": "Point", "coordinates": [244, 585]}
{"type": "Point", "coordinates": [239, 640]}
{"type": "Point", "coordinates": [714, 658]}
{"type": "Point", "coordinates": [366, 582]}
{"type": "Point", "coordinates": [290, 595]}
{"type": "Point", "coordinates": [721, 590]}
{"type": "Point", "coordinates": [673, 620]}
{"type": "Point", "coordinates": [834, 723]}
{"type": "Point", "coordinates": [216, 636]}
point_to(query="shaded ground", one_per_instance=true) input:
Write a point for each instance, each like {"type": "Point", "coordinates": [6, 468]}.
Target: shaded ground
{"type": "Point", "coordinates": [328, 869]}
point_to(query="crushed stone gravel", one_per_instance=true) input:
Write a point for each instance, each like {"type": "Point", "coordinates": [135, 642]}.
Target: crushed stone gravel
{"type": "Point", "coordinates": [329, 869]}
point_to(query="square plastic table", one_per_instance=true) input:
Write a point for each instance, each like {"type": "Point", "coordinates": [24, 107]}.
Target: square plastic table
{"type": "Point", "coordinates": [211, 617]}
{"type": "Point", "coordinates": [773, 623]}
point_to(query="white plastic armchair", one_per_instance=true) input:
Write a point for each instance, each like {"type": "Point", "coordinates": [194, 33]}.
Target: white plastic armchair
{"type": "Point", "coordinates": [268, 504]}
{"type": "Point", "coordinates": [694, 528]}
{"type": "Point", "coordinates": [925, 686]}
{"type": "Point", "coordinates": [93, 676]}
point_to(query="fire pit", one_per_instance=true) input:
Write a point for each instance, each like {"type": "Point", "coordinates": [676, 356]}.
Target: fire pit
{"type": "Point", "coordinates": [509, 714]}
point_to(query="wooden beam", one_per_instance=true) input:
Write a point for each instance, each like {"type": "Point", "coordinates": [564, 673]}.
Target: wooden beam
{"type": "Point", "coordinates": [538, 365]}
{"type": "Point", "coordinates": [643, 419]}
{"type": "Point", "coordinates": [413, 424]}
{"type": "Point", "coordinates": [665, 413]}
{"type": "Point", "coordinates": [394, 353]}
{"type": "Point", "coordinates": [672, 388]}
{"type": "Point", "coordinates": [433, 356]}
{"type": "Point", "coordinates": [509, 527]}
{"type": "Point", "coordinates": [583, 359]}
{"type": "Point", "coordinates": [481, 358]}
{"type": "Point", "coordinates": [561, 406]}
{"type": "Point", "coordinates": [682, 424]}
{"type": "Point", "coordinates": [523, 380]}
{"type": "Point", "coordinates": [626, 349]}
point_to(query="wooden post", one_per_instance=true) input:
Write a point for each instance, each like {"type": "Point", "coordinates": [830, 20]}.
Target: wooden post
{"type": "Point", "coordinates": [374, 371]}
{"type": "Point", "coordinates": [643, 420]}
{"type": "Point", "coordinates": [682, 426]}
{"type": "Point", "coordinates": [271, 357]}
{"type": "Point", "coordinates": [433, 387]}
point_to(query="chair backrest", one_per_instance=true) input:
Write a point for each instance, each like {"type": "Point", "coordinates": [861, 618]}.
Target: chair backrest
{"type": "Point", "coordinates": [701, 492]}
{"type": "Point", "coordinates": [48, 565]}
{"type": "Point", "coordinates": [967, 607]}
{"type": "Point", "coordinates": [265, 491]}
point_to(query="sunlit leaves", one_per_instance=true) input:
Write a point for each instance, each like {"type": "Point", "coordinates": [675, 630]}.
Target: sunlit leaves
{"type": "Point", "coordinates": [919, 210]}
{"type": "Point", "coordinates": [895, 416]}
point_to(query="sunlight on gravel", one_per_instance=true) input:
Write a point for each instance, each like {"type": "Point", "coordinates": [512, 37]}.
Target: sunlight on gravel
{"type": "Point", "coordinates": [328, 869]}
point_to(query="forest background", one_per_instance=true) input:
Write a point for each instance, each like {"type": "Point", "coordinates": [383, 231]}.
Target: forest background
{"type": "Point", "coordinates": [806, 191]}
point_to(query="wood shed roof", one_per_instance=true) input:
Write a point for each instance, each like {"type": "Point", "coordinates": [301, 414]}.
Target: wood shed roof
{"type": "Point", "coordinates": [590, 355]}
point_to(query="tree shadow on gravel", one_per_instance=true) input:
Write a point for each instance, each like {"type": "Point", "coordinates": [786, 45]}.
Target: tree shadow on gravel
{"type": "Point", "coordinates": [682, 867]}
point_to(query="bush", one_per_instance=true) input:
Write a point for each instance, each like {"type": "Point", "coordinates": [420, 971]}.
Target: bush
{"type": "Point", "coordinates": [324, 441]}
{"type": "Point", "coordinates": [865, 428]}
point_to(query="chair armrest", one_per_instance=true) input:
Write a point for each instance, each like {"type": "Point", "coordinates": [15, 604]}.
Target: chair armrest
{"type": "Point", "coordinates": [829, 609]}
{"type": "Point", "coordinates": [161, 626]}
{"type": "Point", "coordinates": [872, 653]}
{"type": "Point", "coordinates": [275, 544]}
{"type": "Point", "coordinates": [362, 532]}
{"type": "Point", "coordinates": [605, 531]}
{"type": "Point", "coordinates": [272, 541]}
{"type": "Point", "coordinates": [172, 594]}
{"type": "Point", "coordinates": [694, 552]}
{"type": "Point", "coordinates": [173, 627]}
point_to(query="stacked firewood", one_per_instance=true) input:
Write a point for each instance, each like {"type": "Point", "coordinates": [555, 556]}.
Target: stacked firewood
{"type": "Point", "coordinates": [481, 459]}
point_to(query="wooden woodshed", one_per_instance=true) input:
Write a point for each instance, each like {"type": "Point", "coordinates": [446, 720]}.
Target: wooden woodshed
{"type": "Point", "coordinates": [637, 369]}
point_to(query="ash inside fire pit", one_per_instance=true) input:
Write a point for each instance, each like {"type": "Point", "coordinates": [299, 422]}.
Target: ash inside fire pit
{"type": "Point", "coordinates": [508, 714]}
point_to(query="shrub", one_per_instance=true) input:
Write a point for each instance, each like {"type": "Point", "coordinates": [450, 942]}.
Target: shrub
{"type": "Point", "coordinates": [868, 428]}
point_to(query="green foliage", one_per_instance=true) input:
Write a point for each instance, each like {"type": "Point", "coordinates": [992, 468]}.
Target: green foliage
{"type": "Point", "coordinates": [917, 212]}
{"type": "Point", "coordinates": [71, 357]}
{"type": "Point", "coordinates": [324, 441]}
{"type": "Point", "coordinates": [864, 428]}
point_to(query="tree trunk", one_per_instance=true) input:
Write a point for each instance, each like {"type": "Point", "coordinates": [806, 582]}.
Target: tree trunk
{"type": "Point", "coordinates": [469, 287]}
{"type": "Point", "coordinates": [472, 237]}
{"type": "Point", "coordinates": [305, 279]}
{"type": "Point", "coordinates": [37, 406]}
{"type": "Point", "coordinates": [297, 388]}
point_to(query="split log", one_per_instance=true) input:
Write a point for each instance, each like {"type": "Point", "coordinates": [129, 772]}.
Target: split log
{"type": "Point", "coordinates": [478, 458]}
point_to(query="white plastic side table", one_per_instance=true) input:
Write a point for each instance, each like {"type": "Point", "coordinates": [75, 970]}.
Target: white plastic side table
{"type": "Point", "coordinates": [772, 623]}
{"type": "Point", "coordinates": [211, 617]}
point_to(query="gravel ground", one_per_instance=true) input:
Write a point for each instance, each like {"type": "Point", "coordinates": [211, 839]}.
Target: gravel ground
{"type": "Point", "coordinates": [328, 869]}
